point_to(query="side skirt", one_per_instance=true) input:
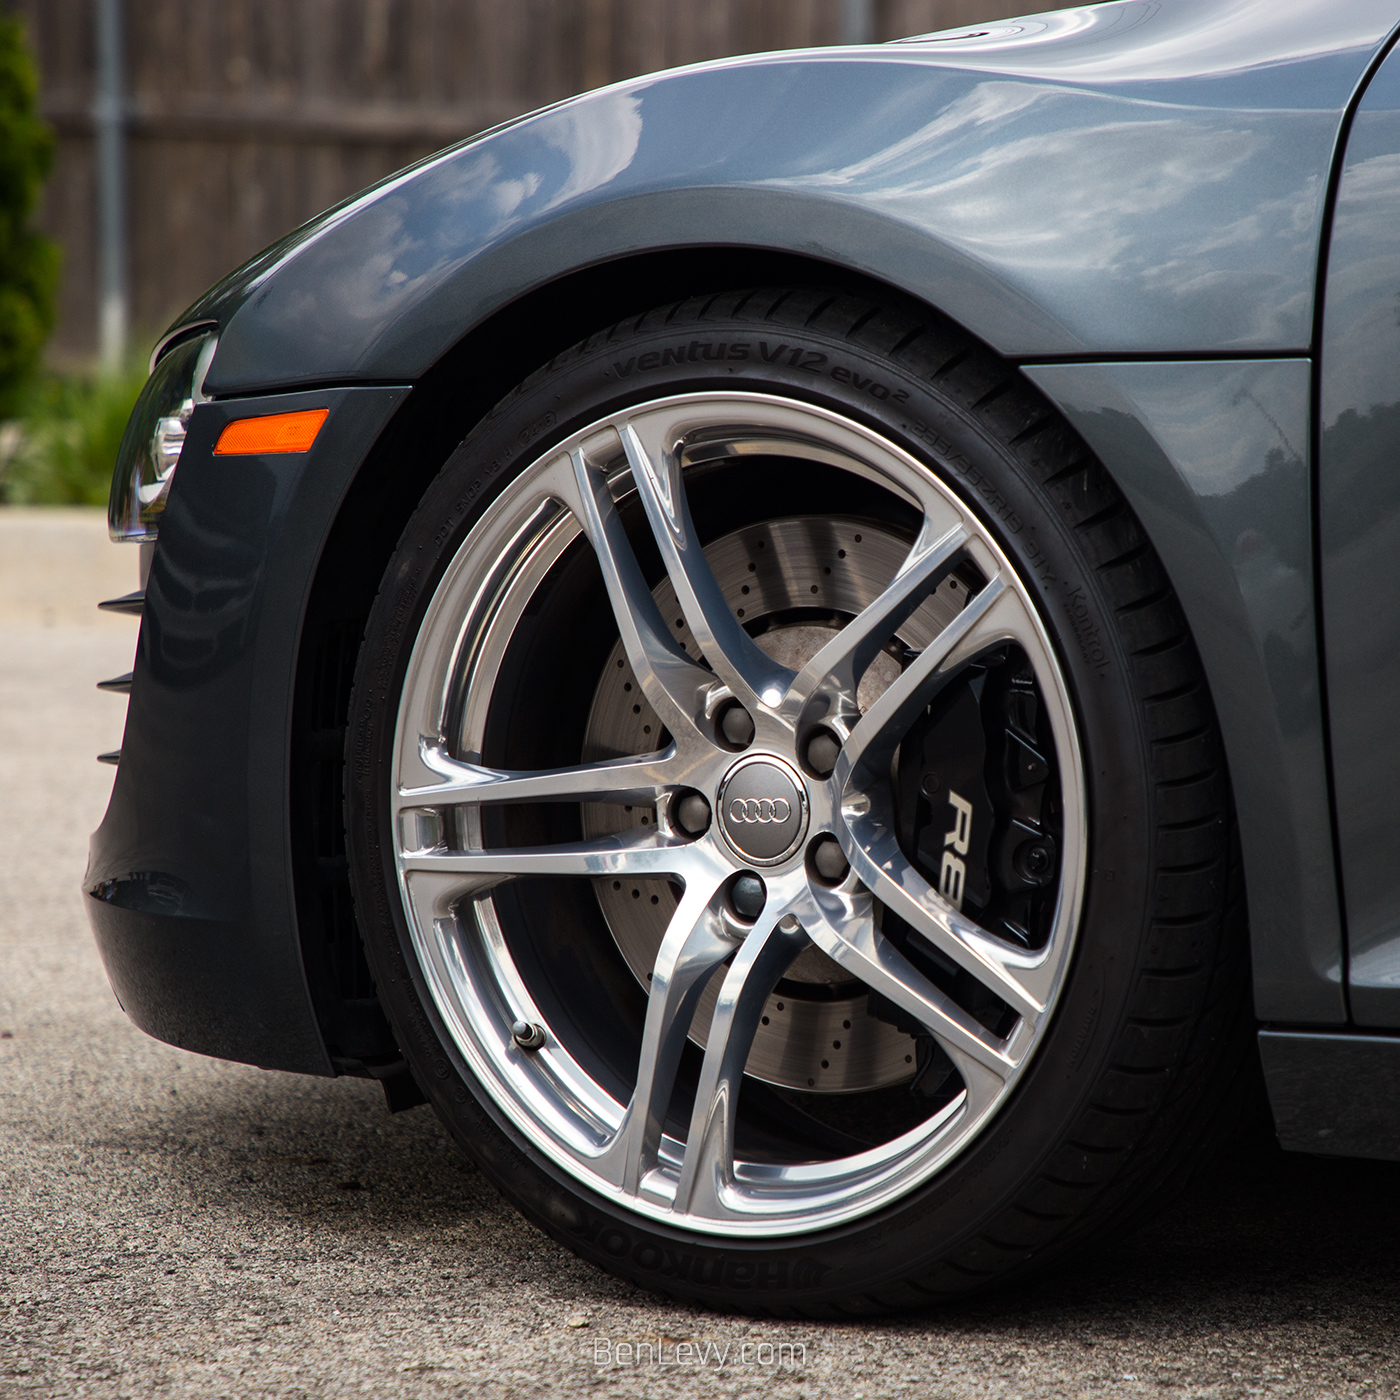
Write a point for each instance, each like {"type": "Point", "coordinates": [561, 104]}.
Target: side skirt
{"type": "Point", "coordinates": [1334, 1095]}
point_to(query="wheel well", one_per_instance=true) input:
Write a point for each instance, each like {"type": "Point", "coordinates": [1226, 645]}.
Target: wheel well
{"type": "Point", "coordinates": [444, 406]}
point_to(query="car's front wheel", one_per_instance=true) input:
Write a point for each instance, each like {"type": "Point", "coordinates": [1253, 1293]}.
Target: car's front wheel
{"type": "Point", "coordinates": [787, 817]}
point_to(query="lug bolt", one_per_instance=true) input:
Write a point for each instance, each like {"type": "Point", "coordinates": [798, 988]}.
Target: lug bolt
{"type": "Point", "coordinates": [748, 897]}
{"type": "Point", "coordinates": [527, 1035]}
{"type": "Point", "coordinates": [736, 724]}
{"type": "Point", "coordinates": [1037, 860]}
{"type": "Point", "coordinates": [829, 859]}
{"type": "Point", "coordinates": [823, 749]}
{"type": "Point", "coordinates": [693, 814]}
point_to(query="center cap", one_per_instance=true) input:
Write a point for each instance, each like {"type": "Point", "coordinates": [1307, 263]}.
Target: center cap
{"type": "Point", "coordinates": [763, 810]}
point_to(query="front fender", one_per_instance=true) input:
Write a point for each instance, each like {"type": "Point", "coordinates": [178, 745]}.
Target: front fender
{"type": "Point", "coordinates": [1215, 459]}
{"type": "Point", "coordinates": [1133, 177]}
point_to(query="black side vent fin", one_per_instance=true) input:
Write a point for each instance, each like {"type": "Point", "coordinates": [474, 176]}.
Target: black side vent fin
{"type": "Point", "coordinates": [130, 603]}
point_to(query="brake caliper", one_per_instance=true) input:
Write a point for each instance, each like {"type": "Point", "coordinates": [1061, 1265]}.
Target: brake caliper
{"type": "Point", "coordinates": [977, 811]}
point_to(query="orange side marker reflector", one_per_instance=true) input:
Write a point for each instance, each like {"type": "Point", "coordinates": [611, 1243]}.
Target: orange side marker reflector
{"type": "Point", "coordinates": [275, 432]}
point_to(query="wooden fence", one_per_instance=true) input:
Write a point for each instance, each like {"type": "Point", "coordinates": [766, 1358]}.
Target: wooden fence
{"type": "Point", "coordinates": [246, 117]}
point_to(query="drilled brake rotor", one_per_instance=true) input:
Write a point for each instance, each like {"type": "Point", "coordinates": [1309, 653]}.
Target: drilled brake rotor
{"type": "Point", "coordinates": [793, 583]}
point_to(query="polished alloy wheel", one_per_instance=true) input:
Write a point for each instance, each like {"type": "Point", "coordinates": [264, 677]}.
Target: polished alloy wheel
{"type": "Point", "coordinates": [761, 814]}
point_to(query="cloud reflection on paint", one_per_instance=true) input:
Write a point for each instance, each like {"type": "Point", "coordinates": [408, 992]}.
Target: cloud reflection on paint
{"type": "Point", "coordinates": [1102, 190]}
{"type": "Point", "coordinates": [480, 197]}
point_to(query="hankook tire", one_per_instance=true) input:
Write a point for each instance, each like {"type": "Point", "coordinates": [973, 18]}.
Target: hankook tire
{"type": "Point", "coordinates": [839, 572]}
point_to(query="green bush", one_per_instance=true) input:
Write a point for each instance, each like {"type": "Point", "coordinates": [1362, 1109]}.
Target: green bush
{"type": "Point", "coordinates": [61, 448]}
{"type": "Point", "coordinates": [28, 262]}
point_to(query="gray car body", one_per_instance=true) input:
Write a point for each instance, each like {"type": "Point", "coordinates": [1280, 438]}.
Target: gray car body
{"type": "Point", "coordinates": [1132, 202]}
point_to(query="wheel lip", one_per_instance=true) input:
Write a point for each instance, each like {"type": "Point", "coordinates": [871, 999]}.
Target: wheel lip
{"type": "Point", "coordinates": [443, 970]}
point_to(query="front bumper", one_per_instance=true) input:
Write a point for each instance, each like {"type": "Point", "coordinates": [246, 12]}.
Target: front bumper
{"type": "Point", "coordinates": [189, 882]}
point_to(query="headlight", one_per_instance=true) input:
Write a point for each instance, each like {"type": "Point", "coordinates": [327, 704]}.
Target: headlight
{"type": "Point", "coordinates": [154, 437]}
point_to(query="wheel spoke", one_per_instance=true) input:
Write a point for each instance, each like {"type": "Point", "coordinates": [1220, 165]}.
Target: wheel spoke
{"type": "Point", "coordinates": [695, 944]}
{"type": "Point", "coordinates": [754, 678]}
{"type": "Point", "coordinates": [994, 615]}
{"type": "Point", "coordinates": [634, 854]}
{"type": "Point", "coordinates": [709, 1146]}
{"type": "Point", "coordinates": [674, 684]}
{"type": "Point", "coordinates": [846, 933]}
{"type": "Point", "coordinates": [636, 780]}
{"type": "Point", "coordinates": [1019, 979]}
{"type": "Point", "coordinates": [865, 757]}
{"type": "Point", "coordinates": [828, 683]}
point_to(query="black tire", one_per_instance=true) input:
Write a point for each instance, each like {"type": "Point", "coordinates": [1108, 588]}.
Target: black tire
{"type": "Point", "coordinates": [1150, 1036]}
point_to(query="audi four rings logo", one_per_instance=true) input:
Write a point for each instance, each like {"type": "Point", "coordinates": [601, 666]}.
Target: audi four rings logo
{"type": "Point", "coordinates": [760, 809]}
